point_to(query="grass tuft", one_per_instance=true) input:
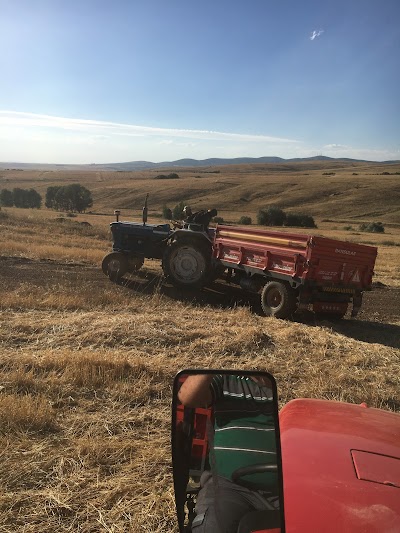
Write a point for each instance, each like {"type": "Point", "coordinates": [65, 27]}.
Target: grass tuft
{"type": "Point", "coordinates": [26, 413]}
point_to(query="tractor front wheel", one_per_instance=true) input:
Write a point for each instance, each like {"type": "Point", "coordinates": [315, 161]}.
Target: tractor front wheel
{"type": "Point", "coordinates": [278, 299]}
{"type": "Point", "coordinates": [115, 265]}
{"type": "Point", "coordinates": [186, 264]}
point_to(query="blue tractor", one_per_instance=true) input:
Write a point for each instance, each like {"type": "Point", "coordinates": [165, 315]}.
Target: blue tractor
{"type": "Point", "coordinates": [184, 249]}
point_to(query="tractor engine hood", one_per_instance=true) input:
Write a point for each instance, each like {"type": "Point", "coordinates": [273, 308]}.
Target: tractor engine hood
{"type": "Point", "coordinates": [341, 467]}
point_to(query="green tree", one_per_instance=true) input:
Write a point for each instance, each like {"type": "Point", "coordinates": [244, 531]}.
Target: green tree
{"type": "Point", "coordinates": [79, 197]}
{"type": "Point", "coordinates": [177, 212]}
{"type": "Point", "coordinates": [61, 200]}
{"type": "Point", "coordinates": [50, 197]}
{"type": "Point", "coordinates": [72, 198]}
{"type": "Point", "coordinates": [300, 221]}
{"type": "Point", "coordinates": [246, 221]}
{"type": "Point", "coordinates": [6, 198]}
{"type": "Point", "coordinates": [26, 198]}
{"type": "Point", "coordinates": [262, 217]}
{"type": "Point", "coordinates": [18, 197]}
{"type": "Point", "coordinates": [271, 216]}
{"type": "Point", "coordinates": [166, 212]}
{"type": "Point", "coordinates": [34, 199]}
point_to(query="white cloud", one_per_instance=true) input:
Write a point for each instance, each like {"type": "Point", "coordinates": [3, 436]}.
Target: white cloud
{"type": "Point", "coordinates": [34, 138]}
{"type": "Point", "coordinates": [335, 146]}
{"type": "Point", "coordinates": [95, 127]}
{"type": "Point", "coordinates": [315, 34]}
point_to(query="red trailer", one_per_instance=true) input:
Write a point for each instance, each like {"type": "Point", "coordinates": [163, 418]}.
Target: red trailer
{"type": "Point", "coordinates": [289, 270]}
{"type": "Point", "coordinates": [295, 270]}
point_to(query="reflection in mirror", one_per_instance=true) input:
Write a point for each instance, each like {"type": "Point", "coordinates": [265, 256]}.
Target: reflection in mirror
{"type": "Point", "coordinates": [226, 452]}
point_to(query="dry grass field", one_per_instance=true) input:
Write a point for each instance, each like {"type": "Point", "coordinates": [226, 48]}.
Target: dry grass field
{"type": "Point", "coordinates": [86, 366]}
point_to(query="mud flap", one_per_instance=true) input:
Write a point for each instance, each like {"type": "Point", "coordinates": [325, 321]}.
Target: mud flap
{"type": "Point", "coordinates": [357, 301]}
{"type": "Point", "coordinates": [330, 308]}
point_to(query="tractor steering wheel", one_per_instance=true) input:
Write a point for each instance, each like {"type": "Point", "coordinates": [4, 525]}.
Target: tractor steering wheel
{"type": "Point", "coordinates": [239, 473]}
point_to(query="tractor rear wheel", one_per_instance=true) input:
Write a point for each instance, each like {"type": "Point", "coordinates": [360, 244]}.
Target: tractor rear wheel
{"type": "Point", "coordinates": [186, 264]}
{"type": "Point", "coordinates": [115, 265]}
{"type": "Point", "coordinates": [278, 299]}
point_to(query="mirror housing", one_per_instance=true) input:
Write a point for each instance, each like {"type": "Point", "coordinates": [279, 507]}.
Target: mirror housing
{"type": "Point", "coordinates": [218, 448]}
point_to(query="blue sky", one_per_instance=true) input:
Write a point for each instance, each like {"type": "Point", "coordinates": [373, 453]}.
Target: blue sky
{"type": "Point", "coordinates": [93, 81]}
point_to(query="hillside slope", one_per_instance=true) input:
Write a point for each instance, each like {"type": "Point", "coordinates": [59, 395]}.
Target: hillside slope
{"type": "Point", "coordinates": [325, 189]}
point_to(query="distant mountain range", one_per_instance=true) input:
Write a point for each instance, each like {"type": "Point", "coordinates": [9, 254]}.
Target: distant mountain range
{"type": "Point", "coordinates": [212, 162]}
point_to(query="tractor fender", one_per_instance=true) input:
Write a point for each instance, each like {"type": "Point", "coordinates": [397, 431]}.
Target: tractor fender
{"type": "Point", "coordinates": [190, 235]}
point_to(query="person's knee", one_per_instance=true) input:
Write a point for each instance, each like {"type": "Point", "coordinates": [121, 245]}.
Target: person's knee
{"type": "Point", "coordinates": [201, 523]}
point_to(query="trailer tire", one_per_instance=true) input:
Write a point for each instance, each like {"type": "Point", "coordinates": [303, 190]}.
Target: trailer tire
{"type": "Point", "coordinates": [187, 263]}
{"type": "Point", "coordinates": [278, 299]}
{"type": "Point", "coordinates": [115, 265]}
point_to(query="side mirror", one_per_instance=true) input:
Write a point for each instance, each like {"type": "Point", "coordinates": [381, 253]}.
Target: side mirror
{"type": "Point", "coordinates": [226, 452]}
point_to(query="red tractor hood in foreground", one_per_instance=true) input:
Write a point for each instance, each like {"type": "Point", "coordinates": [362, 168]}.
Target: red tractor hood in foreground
{"type": "Point", "coordinates": [341, 468]}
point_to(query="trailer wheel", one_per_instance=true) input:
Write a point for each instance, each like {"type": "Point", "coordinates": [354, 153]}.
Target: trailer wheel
{"type": "Point", "coordinates": [187, 264]}
{"type": "Point", "coordinates": [278, 299]}
{"type": "Point", "coordinates": [115, 265]}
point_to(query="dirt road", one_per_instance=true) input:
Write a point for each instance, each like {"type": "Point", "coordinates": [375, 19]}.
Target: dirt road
{"type": "Point", "coordinates": [382, 304]}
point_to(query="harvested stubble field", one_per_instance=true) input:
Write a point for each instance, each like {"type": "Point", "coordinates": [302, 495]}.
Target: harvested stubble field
{"type": "Point", "coordinates": [86, 369]}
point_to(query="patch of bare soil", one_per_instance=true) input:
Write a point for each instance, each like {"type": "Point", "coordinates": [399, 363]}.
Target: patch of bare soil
{"type": "Point", "coordinates": [382, 304]}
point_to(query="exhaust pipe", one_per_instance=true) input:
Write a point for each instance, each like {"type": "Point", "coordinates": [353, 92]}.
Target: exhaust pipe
{"type": "Point", "coordinates": [145, 210]}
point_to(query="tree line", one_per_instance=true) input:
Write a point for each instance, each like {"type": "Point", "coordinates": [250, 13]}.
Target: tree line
{"type": "Point", "coordinates": [26, 198]}
{"type": "Point", "coordinates": [275, 216]}
{"type": "Point", "coordinates": [73, 198]}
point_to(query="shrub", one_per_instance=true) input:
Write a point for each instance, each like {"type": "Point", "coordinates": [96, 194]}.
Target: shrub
{"type": "Point", "coordinates": [218, 220]}
{"type": "Point", "coordinates": [246, 221]}
{"type": "Point", "coordinates": [300, 221]}
{"type": "Point", "coordinates": [6, 198]}
{"type": "Point", "coordinates": [166, 212]}
{"type": "Point", "coordinates": [172, 176]}
{"type": "Point", "coordinates": [373, 227]}
{"type": "Point", "coordinates": [177, 212]}
{"type": "Point", "coordinates": [271, 216]}
{"type": "Point", "coordinates": [385, 243]}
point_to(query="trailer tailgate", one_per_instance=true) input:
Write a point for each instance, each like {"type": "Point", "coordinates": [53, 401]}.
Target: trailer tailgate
{"type": "Point", "coordinates": [334, 264]}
